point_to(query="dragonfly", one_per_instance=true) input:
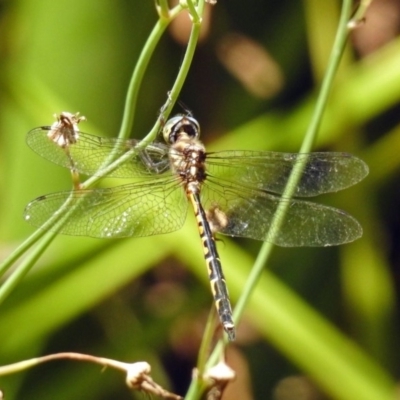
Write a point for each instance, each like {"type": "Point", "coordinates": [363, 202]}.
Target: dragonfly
{"type": "Point", "coordinates": [234, 193]}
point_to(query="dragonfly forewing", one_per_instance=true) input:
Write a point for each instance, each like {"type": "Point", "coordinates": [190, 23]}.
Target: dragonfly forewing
{"type": "Point", "coordinates": [270, 171]}
{"type": "Point", "coordinates": [90, 154]}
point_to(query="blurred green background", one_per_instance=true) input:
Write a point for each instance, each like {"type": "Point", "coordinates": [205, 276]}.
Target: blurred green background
{"type": "Point", "coordinates": [148, 299]}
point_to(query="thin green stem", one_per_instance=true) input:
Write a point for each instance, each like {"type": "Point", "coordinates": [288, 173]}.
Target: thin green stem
{"type": "Point", "coordinates": [20, 251]}
{"type": "Point", "coordinates": [206, 341]}
{"type": "Point", "coordinates": [184, 69]}
{"type": "Point", "coordinates": [198, 385]}
{"type": "Point", "coordinates": [16, 277]}
{"type": "Point", "coordinates": [195, 390]}
{"type": "Point", "coordinates": [193, 12]}
{"type": "Point", "coordinates": [162, 8]}
{"type": "Point", "coordinates": [359, 15]}
{"type": "Point", "coordinates": [139, 71]}
{"type": "Point", "coordinates": [54, 224]}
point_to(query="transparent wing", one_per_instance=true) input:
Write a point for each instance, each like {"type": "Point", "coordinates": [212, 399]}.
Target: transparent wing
{"type": "Point", "coordinates": [241, 212]}
{"type": "Point", "coordinates": [323, 172]}
{"type": "Point", "coordinates": [91, 152]}
{"type": "Point", "coordinates": [136, 210]}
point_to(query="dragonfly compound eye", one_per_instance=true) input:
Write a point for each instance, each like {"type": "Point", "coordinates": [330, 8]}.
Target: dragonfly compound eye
{"type": "Point", "coordinates": [179, 127]}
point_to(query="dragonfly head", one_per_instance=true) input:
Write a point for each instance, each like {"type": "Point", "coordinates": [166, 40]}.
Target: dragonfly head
{"type": "Point", "coordinates": [181, 126]}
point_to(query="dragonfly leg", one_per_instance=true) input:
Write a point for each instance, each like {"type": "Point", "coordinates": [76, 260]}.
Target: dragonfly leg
{"type": "Point", "coordinates": [153, 166]}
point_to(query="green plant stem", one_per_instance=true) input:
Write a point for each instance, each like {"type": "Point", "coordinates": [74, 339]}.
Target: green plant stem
{"type": "Point", "coordinates": [16, 277]}
{"type": "Point", "coordinates": [139, 71]}
{"type": "Point", "coordinates": [206, 341]}
{"type": "Point", "coordinates": [360, 12]}
{"type": "Point", "coordinates": [185, 66]}
{"type": "Point", "coordinates": [196, 19]}
{"type": "Point", "coordinates": [20, 251]}
{"type": "Point", "coordinates": [162, 8]}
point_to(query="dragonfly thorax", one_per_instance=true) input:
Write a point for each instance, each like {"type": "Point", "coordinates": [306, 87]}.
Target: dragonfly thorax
{"type": "Point", "coordinates": [187, 160]}
{"type": "Point", "coordinates": [181, 126]}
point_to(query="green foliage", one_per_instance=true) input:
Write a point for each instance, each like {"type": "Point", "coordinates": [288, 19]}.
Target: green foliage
{"type": "Point", "coordinates": [140, 299]}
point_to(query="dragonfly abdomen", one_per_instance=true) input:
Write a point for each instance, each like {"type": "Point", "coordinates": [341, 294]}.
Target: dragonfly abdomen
{"type": "Point", "coordinates": [216, 275]}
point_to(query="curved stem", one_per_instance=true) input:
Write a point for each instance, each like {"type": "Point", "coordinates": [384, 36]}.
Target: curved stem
{"type": "Point", "coordinates": [140, 69]}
